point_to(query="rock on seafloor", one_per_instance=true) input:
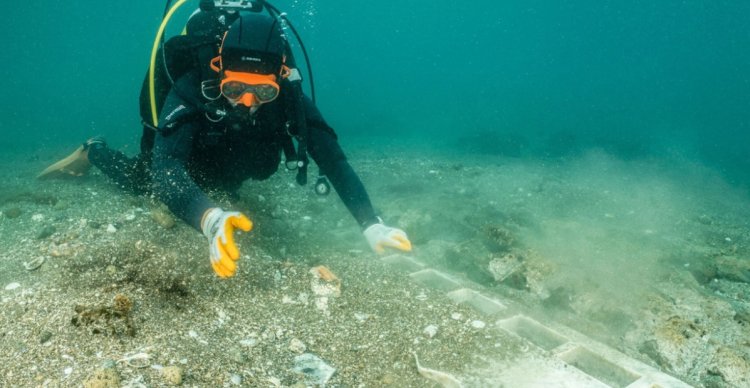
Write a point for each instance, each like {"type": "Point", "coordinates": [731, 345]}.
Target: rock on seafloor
{"type": "Point", "coordinates": [172, 375]}
{"type": "Point", "coordinates": [103, 378]}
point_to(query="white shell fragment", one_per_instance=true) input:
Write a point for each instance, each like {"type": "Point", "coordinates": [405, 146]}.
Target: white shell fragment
{"type": "Point", "coordinates": [34, 264]}
{"type": "Point", "coordinates": [430, 331]}
{"type": "Point", "coordinates": [477, 324]}
{"type": "Point", "coordinates": [12, 286]}
{"type": "Point", "coordinates": [444, 379]}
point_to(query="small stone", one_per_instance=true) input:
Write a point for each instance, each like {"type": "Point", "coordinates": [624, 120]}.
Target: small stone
{"type": "Point", "coordinates": [12, 286]}
{"type": "Point", "coordinates": [236, 379]}
{"type": "Point", "coordinates": [237, 355]}
{"type": "Point", "coordinates": [45, 336]}
{"type": "Point", "coordinates": [297, 346]}
{"type": "Point", "coordinates": [172, 375]}
{"type": "Point", "coordinates": [13, 212]}
{"type": "Point", "coordinates": [46, 231]}
{"type": "Point", "coordinates": [430, 331]}
{"type": "Point", "coordinates": [163, 217]}
{"type": "Point", "coordinates": [388, 379]}
{"type": "Point", "coordinates": [249, 342]}
{"type": "Point", "coordinates": [111, 228]}
{"type": "Point", "coordinates": [477, 324]}
{"type": "Point", "coordinates": [103, 378]}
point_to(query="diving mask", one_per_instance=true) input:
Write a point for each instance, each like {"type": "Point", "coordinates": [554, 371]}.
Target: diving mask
{"type": "Point", "coordinates": [249, 88]}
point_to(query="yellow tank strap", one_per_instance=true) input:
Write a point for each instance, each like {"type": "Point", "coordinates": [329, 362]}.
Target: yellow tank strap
{"type": "Point", "coordinates": [152, 65]}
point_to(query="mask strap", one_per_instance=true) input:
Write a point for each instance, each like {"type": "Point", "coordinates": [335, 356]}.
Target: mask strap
{"type": "Point", "coordinates": [215, 64]}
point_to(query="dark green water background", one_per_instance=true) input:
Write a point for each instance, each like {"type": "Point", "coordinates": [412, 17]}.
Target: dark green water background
{"type": "Point", "coordinates": [522, 78]}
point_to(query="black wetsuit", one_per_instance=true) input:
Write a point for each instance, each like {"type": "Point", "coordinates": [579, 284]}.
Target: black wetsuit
{"type": "Point", "coordinates": [192, 155]}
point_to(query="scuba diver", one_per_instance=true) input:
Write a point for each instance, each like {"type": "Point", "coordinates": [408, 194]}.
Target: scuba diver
{"type": "Point", "coordinates": [227, 119]}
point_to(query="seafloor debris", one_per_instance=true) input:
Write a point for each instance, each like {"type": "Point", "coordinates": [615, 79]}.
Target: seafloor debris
{"type": "Point", "coordinates": [322, 272]}
{"type": "Point", "coordinates": [138, 359]}
{"type": "Point", "coordinates": [34, 264]}
{"type": "Point", "coordinates": [172, 375]}
{"type": "Point", "coordinates": [103, 378]}
{"type": "Point", "coordinates": [324, 285]}
{"type": "Point", "coordinates": [162, 216]}
{"type": "Point", "coordinates": [498, 239]}
{"type": "Point", "coordinates": [315, 370]}
{"type": "Point", "coordinates": [444, 379]}
{"type": "Point", "coordinates": [114, 319]}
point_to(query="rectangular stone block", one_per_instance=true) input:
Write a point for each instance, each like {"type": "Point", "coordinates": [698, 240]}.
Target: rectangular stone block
{"type": "Point", "coordinates": [435, 279]}
{"type": "Point", "coordinates": [477, 301]}
{"type": "Point", "coordinates": [533, 331]}
{"type": "Point", "coordinates": [403, 263]}
{"type": "Point", "coordinates": [598, 367]}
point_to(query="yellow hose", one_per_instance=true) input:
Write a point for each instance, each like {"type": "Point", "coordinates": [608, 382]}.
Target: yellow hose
{"type": "Point", "coordinates": [151, 68]}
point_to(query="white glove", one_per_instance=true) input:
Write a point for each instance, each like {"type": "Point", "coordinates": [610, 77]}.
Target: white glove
{"type": "Point", "coordinates": [218, 226]}
{"type": "Point", "coordinates": [380, 236]}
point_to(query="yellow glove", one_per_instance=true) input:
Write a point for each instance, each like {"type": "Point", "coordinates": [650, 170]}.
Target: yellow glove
{"type": "Point", "coordinates": [218, 225]}
{"type": "Point", "coordinates": [380, 236]}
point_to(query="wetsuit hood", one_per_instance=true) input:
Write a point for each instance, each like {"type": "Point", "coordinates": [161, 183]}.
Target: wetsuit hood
{"type": "Point", "coordinates": [254, 43]}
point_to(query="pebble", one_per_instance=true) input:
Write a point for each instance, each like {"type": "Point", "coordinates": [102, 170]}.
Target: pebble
{"type": "Point", "coordinates": [111, 228]}
{"type": "Point", "coordinates": [249, 342]}
{"type": "Point", "coordinates": [12, 286]}
{"type": "Point", "coordinates": [172, 375]}
{"type": "Point", "coordinates": [46, 231]}
{"type": "Point", "coordinates": [102, 378]}
{"type": "Point", "coordinates": [13, 212]}
{"type": "Point", "coordinates": [236, 379]}
{"type": "Point", "coordinates": [34, 264]}
{"type": "Point", "coordinates": [297, 346]}
{"type": "Point", "coordinates": [45, 336]}
{"type": "Point", "coordinates": [163, 217]}
{"type": "Point", "coordinates": [477, 324]}
{"type": "Point", "coordinates": [430, 331]}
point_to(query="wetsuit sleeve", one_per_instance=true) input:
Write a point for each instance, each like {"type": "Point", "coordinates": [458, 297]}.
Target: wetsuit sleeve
{"type": "Point", "coordinates": [327, 153]}
{"type": "Point", "coordinates": [171, 182]}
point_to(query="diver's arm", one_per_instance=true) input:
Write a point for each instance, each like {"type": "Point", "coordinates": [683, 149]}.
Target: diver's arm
{"type": "Point", "coordinates": [171, 182]}
{"type": "Point", "coordinates": [329, 156]}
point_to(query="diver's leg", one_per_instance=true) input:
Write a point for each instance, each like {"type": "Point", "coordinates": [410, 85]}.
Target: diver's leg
{"type": "Point", "coordinates": [130, 174]}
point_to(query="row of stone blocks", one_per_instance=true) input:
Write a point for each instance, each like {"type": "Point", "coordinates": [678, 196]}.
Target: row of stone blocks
{"type": "Point", "coordinates": [601, 362]}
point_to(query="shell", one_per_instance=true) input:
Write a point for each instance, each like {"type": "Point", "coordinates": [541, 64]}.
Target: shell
{"type": "Point", "coordinates": [445, 380]}
{"type": "Point", "coordinates": [34, 264]}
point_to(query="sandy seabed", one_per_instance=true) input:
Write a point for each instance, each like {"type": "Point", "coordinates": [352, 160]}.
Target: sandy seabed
{"type": "Point", "coordinates": [99, 287]}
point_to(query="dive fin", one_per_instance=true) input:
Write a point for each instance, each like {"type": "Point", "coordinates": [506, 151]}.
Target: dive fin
{"type": "Point", "coordinates": [75, 164]}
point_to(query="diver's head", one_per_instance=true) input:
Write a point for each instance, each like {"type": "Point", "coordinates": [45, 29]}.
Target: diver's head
{"type": "Point", "coordinates": [251, 60]}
